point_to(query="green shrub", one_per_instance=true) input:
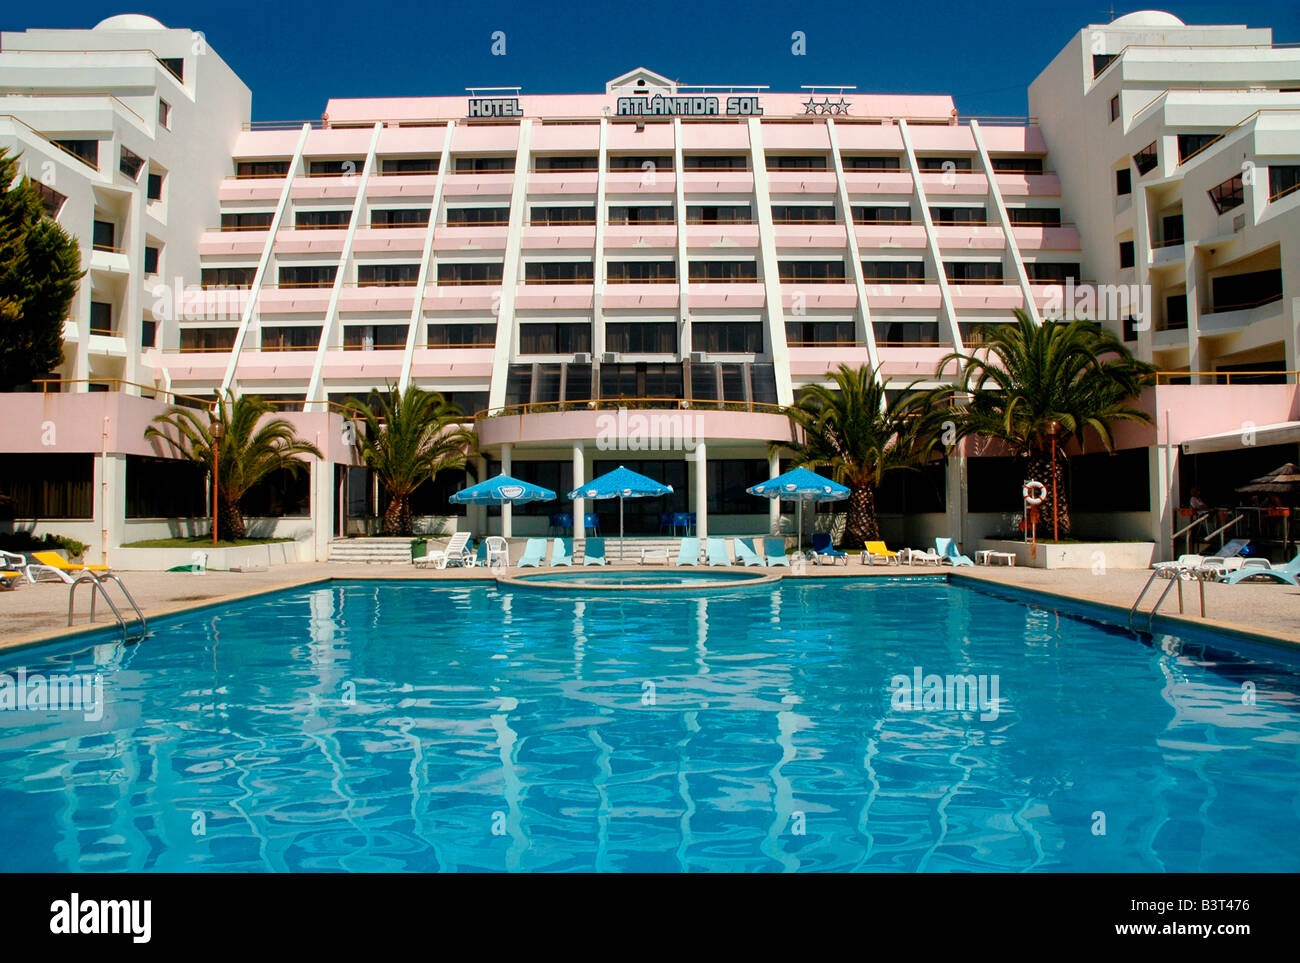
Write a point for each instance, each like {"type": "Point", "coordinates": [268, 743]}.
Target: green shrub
{"type": "Point", "coordinates": [26, 542]}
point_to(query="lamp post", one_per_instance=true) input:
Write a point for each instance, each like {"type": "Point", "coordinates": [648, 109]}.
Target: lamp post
{"type": "Point", "coordinates": [1052, 428]}
{"type": "Point", "coordinates": [218, 430]}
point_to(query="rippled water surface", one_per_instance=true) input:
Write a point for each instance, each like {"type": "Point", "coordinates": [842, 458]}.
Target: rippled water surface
{"type": "Point", "coordinates": [410, 726]}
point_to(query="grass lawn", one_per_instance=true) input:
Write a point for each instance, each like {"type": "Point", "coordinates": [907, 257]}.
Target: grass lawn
{"type": "Point", "coordinates": [201, 541]}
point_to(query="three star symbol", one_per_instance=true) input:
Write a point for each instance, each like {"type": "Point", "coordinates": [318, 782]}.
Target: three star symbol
{"type": "Point", "coordinates": [825, 106]}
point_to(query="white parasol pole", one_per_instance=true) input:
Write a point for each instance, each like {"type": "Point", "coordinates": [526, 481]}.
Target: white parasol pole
{"type": "Point", "coordinates": [621, 557]}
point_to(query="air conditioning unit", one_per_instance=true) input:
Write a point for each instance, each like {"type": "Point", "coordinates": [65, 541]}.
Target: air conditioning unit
{"type": "Point", "coordinates": [582, 358]}
{"type": "Point", "coordinates": [698, 357]}
{"type": "Point", "coordinates": [609, 357]}
{"type": "Point", "coordinates": [1238, 222]}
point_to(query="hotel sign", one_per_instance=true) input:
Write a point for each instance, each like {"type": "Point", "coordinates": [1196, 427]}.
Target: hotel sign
{"type": "Point", "coordinates": [687, 106]}
{"type": "Point", "coordinates": [494, 107]}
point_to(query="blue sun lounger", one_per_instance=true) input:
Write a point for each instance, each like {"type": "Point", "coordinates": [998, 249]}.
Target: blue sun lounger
{"type": "Point", "coordinates": [716, 550]}
{"type": "Point", "coordinates": [688, 553]}
{"type": "Point", "coordinates": [593, 552]}
{"type": "Point", "coordinates": [824, 548]}
{"type": "Point", "coordinates": [562, 552]}
{"type": "Point", "coordinates": [745, 552]}
{"type": "Point", "coordinates": [1288, 573]}
{"type": "Point", "coordinates": [947, 549]}
{"type": "Point", "coordinates": [534, 553]}
{"type": "Point", "coordinates": [774, 549]}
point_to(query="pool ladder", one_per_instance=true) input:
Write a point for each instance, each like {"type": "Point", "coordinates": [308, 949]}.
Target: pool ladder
{"type": "Point", "coordinates": [1176, 579]}
{"type": "Point", "coordinates": [98, 588]}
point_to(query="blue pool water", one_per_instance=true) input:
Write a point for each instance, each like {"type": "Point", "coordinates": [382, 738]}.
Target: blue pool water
{"type": "Point", "coordinates": [622, 578]}
{"type": "Point", "coordinates": [410, 726]}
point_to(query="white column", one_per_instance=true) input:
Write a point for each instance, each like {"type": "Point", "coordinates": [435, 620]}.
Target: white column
{"type": "Point", "coordinates": [506, 509]}
{"type": "Point", "coordinates": [579, 478]}
{"type": "Point", "coordinates": [701, 490]}
{"type": "Point", "coordinates": [324, 504]}
{"type": "Point", "coordinates": [774, 506]}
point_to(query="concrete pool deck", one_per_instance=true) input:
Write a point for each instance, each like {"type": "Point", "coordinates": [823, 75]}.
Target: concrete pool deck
{"type": "Point", "coordinates": [34, 613]}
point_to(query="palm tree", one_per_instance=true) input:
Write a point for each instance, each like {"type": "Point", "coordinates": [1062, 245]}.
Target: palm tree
{"type": "Point", "coordinates": [410, 436]}
{"type": "Point", "coordinates": [860, 435]}
{"type": "Point", "coordinates": [1024, 376]}
{"type": "Point", "coordinates": [251, 446]}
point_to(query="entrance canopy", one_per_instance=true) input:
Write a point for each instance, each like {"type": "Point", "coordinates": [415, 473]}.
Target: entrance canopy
{"type": "Point", "coordinates": [1286, 432]}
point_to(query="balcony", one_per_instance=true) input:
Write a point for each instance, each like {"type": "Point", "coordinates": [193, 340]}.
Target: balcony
{"type": "Point", "coordinates": [566, 421]}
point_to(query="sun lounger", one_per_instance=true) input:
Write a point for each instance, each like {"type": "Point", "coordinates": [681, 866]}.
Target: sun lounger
{"type": "Point", "coordinates": [745, 552]}
{"type": "Point", "coordinates": [1288, 573]}
{"type": "Point", "coordinates": [1216, 567]}
{"type": "Point", "coordinates": [1186, 564]}
{"type": "Point", "coordinates": [593, 552]}
{"type": "Point", "coordinates": [946, 549]}
{"type": "Point", "coordinates": [716, 550]}
{"type": "Point", "coordinates": [824, 551]}
{"type": "Point", "coordinates": [437, 557]}
{"type": "Point", "coordinates": [534, 553]}
{"type": "Point", "coordinates": [53, 564]}
{"type": "Point", "coordinates": [688, 552]}
{"type": "Point", "coordinates": [875, 552]}
{"type": "Point", "coordinates": [561, 552]}
{"type": "Point", "coordinates": [774, 550]}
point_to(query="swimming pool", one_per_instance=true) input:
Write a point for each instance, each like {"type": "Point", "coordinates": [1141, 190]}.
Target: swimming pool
{"type": "Point", "coordinates": [461, 726]}
{"type": "Point", "coordinates": [623, 580]}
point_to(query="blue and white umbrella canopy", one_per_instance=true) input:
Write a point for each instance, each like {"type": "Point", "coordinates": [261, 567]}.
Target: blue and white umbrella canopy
{"type": "Point", "coordinates": [800, 485]}
{"type": "Point", "coordinates": [621, 483]}
{"type": "Point", "coordinates": [500, 490]}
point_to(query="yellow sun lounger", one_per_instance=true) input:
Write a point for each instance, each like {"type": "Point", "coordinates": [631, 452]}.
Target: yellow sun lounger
{"type": "Point", "coordinates": [877, 550]}
{"type": "Point", "coordinates": [56, 561]}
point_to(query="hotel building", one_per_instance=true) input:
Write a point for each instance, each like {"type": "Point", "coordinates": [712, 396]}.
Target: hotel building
{"type": "Point", "coordinates": [694, 255]}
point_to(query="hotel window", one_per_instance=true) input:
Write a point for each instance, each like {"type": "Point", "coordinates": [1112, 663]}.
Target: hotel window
{"type": "Point", "coordinates": [1146, 159]}
{"type": "Point", "coordinates": [103, 236]}
{"type": "Point", "coordinates": [794, 162]}
{"type": "Point", "coordinates": [248, 169]}
{"type": "Point", "coordinates": [803, 214]}
{"type": "Point", "coordinates": [148, 332]}
{"type": "Point", "coordinates": [401, 217]}
{"type": "Point", "coordinates": [948, 216]}
{"type": "Point", "coordinates": [1101, 61]}
{"type": "Point", "coordinates": [291, 338]}
{"type": "Point", "coordinates": [308, 276]}
{"type": "Point", "coordinates": [227, 277]}
{"type": "Point", "coordinates": [1233, 292]}
{"type": "Point", "coordinates": [387, 275]}
{"type": "Point", "coordinates": [485, 165]}
{"type": "Point", "coordinates": [49, 485]}
{"type": "Point", "coordinates": [84, 150]}
{"type": "Point", "coordinates": [175, 66]}
{"type": "Point", "coordinates": [555, 216]}
{"type": "Point", "coordinates": [712, 381]}
{"type": "Point", "coordinates": [246, 221]}
{"type": "Point", "coordinates": [1051, 271]}
{"type": "Point", "coordinates": [481, 273]}
{"type": "Point", "coordinates": [881, 214]}
{"type": "Point", "coordinates": [719, 214]}
{"type": "Point", "coordinates": [151, 259]}
{"type": "Point", "coordinates": [886, 271]}
{"type": "Point", "coordinates": [973, 272]}
{"type": "Point", "coordinates": [728, 480]}
{"type": "Point", "coordinates": [207, 339]}
{"type": "Point", "coordinates": [641, 214]}
{"type": "Point", "coordinates": [51, 199]}
{"type": "Point", "coordinates": [1114, 108]}
{"type": "Point", "coordinates": [335, 168]}
{"type": "Point", "coordinates": [1130, 328]}
{"type": "Point", "coordinates": [164, 114]}
{"type": "Point", "coordinates": [1127, 254]}
{"type": "Point", "coordinates": [374, 337]}
{"type": "Point", "coordinates": [641, 337]}
{"type": "Point", "coordinates": [811, 272]}
{"type": "Point", "coordinates": [1282, 180]}
{"type": "Point", "coordinates": [321, 220]}
{"type": "Point", "coordinates": [154, 187]}
{"type": "Point", "coordinates": [1123, 182]}
{"type": "Point", "coordinates": [567, 164]}
{"type": "Point", "coordinates": [902, 333]}
{"type": "Point", "coordinates": [635, 162]}
{"type": "Point", "coordinates": [1228, 195]}
{"type": "Point", "coordinates": [130, 163]}
{"type": "Point", "coordinates": [1171, 230]}
{"type": "Point", "coordinates": [1175, 313]}
{"type": "Point", "coordinates": [551, 337]}
{"type": "Point", "coordinates": [860, 162]}
{"type": "Point", "coordinates": [482, 216]}
{"type": "Point", "coordinates": [641, 272]}
{"type": "Point", "coordinates": [716, 162]}
{"type": "Point", "coordinates": [101, 318]}
{"type": "Point", "coordinates": [641, 379]}
{"type": "Point", "coordinates": [1189, 144]}
{"type": "Point", "coordinates": [938, 165]}
{"type": "Point", "coordinates": [1017, 165]}
{"type": "Point", "coordinates": [825, 334]}
{"type": "Point", "coordinates": [478, 334]}
{"type": "Point", "coordinates": [723, 272]}
{"type": "Point", "coordinates": [409, 165]}
{"type": "Point", "coordinates": [559, 272]}
{"type": "Point", "coordinates": [1034, 216]}
{"type": "Point", "coordinates": [727, 337]}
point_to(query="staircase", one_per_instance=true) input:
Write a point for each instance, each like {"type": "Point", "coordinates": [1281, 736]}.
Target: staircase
{"type": "Point", "coordinates": [385, 551]}
{"type": "Point", "coordinates": [632, 546]}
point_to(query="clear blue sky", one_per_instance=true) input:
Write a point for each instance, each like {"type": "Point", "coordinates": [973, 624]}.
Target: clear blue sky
{"type": "Point", "coordinates": [296, 54]}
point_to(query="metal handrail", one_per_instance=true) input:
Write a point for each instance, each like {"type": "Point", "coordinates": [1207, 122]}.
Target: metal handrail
{"type": "Point", "coordinates": [1176, 578]}
{"type": "Point", "coordinates": [613, 404]}
{"type": "Point", "coordinates": [1221, 530]}
{"type": "Point", "coordinates": [1186, 529]}
{"type": "Point", "coordinates": [97, 581]}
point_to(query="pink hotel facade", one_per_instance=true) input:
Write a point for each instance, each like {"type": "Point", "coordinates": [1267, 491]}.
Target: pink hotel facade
{"type": "Point", "coordinates": [693, 254]}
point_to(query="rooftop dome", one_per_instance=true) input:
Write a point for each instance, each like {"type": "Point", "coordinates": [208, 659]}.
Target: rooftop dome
{"type": "Point", "coordinates": [1148, 18]}
{"type": "Point", "coordinates": [130, 21]}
